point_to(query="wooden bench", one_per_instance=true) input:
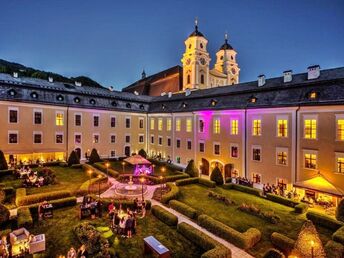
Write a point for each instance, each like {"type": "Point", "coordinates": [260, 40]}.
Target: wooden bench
{"type": "Point", "coordinates": [151, 244]}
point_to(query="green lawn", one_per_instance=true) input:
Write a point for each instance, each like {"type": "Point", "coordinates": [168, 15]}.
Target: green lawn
{"type": "Point", "coordinates": [196, 196]}
{"type": "Point", "coordinates": [60, 236]}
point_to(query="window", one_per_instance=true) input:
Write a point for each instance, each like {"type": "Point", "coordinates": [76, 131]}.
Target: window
{"type": "Point", "coordinates": [282, 128]}
{"type": "Point", "coordinates": [168, 141]}
{"type": "Point", "coordinates": [160, 140]}
{"type": "Point", "coordinates": [59, 138]}
{"type": "Point", "coordinates": [112, 153]}
{"type": "Point", "coordinates": [340, 129]}
{"type": "Point", "coordinates": [189, 125]}
{"type": "Point", "coordinates": [127, 138]}
{"type": "Point", "coordinates": [77, 139]}
{"type": "Point", "coordinates": [152, 139]}
{"type": "Point", "coordinates": [340, 165]}
{"type": "Point", "coordinates": [234, 127]}
{"type": "Point", "coordinates": [113, 121]}
{"type": "Point", "coordinates": [178, 124]}
{"type": "Point", "coordinates": [95, 138]}
{"type": "Point", "coordinates": [77, 120]}
{"type": "Point", "coordinates": [113, 138]}
{"type": "Point", "coordinates": [37, 117]}
{"type": "Point", "coordinates": [178, 143]}
{"type": "Point", "coordinates": [189, 144]}
{"type": "Point", "coordinates": [141, 123]}
{"type": "Point", "coordinates": [141, 138]}
{"type": "Point", "coordinates": [201, 125]}
{"type": "Point", "coordinates": [257, 130]}
{"type": "Point", "coordinates": [127, 122]}
{"type": "Point", "coordinates": [188, 79]}
{"type": "Point", "coordinates": [59, 119]}
{"type": "Point", "coordinates": [216, 149]}
{"type": "Point", "coordinates": [310, 128]}
{"type": "Point", "coordinates": [257, 178]}
{"type": "Point", "coordinates": [37, 137]}
{"type": "Point", "coordinates": [216, 125]}
{"type": "Point", "coordinates": [256, 153]}
{"type": "Point", "coordinates": [282, 156]}
{"type": "Point", "coordinates": [95, 120]}
{"type": "Point", "coordinates": [169, 124]}
{"type": "Point", "coordinates": [152, 122]}
{"type": "Point", "coordinates": [234, 151]}
{"type": "Point", "coordinates": [310, 160]}
{"type": "Point", "coordinates": [13, 137]}
{"type": "Point", "coordinates": [202, 78]}
{"type": "Point", "coordinates": [160, 124]}
{"type": "Point", "coordinates": [13, 115]}
{"type": "Point", "coordinates": [201, 147]}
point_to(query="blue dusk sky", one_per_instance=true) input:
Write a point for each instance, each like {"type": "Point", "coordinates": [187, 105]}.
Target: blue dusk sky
{"type": "Point", "coordinates": [111, 41]}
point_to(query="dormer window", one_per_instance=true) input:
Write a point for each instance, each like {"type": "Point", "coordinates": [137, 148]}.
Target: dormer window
{"type": "Point", "coordinates": [142, 107]}
{"type": "Point", "coordinates": [253, 99]}
{"type": "Point", "coordinates": [313, 95]}
{"type": "Point", "coordinates": [128, 105]}
{"type": "Point", "coordinates": [201, 45]}
{"type": "Point", "coordinates": [92, 102]}
{"type": "Point", "coordinates": [213, 102]}
{"type": "Point", "coordinates": [77, 100]}
{"type": "Point", "coordinates": [34, 95]}
{"type": "Point", "coordinates": [163, 107]}
{"type": "Point", "coordinates": [60, 98]}
{"type": "Point", "coordinates": [114, 103]}
{"type": "Point", "coordinates": [184, 105]}
{"type": "Point", "coordinates": [12, 92]}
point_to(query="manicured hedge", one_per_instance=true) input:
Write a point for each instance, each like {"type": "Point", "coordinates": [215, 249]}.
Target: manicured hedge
{"type": "Point", "coordinates": [173, 178]}
{"type": "Point", "coordinates": [334, 249]}
{"type": "Point", "coordinates": [102, 167]}
{"type": "Point", "coordinates": [172, 194]}
{"type": "Point", "coordinates": [20, 193]}
{"type": "Point", "coordinates": [125, 203]}
{"type": "Point", "coordinates": [59, 203]}
{"type": "Point", "coordinates": [24, 217]}
{"type": "Point", "coordinates": [207, 182]}
{"type": "Point", "coordinates": [36, 198]}
{"type": "Point", "coordinates": [244, 240]}
{"type": "Point", "coordinates": [320, 219]}
{"type": "Point", "coordinates": [282, 242]}
{"type": "Point", "coordinates": [187, 181]}
{"type": "Point", "coordinates": [167, 165]}
{"type": "Point", "coordinates": [281, 200]}
{"type": "Point", "coordinates": [164, 215]}
{"type": "Point", "coordinates": [273, 253]}
{"type": "Point", "coordinates": [213, 248]}
{"type": "Point", "coordinates": [301, 208]}
{"type": "Point", "coordinates": [183, 209]}
{"type": "Point", "coordinates": [228, 186]}
{"type": "Point", "coordinates": [76, 166]}
{"type": "Point", "coordinates": [6, 172]}
{"type": "Point", "coordinates": [339, 235]}
{"type": "Point", "coordinates": [249, 190]}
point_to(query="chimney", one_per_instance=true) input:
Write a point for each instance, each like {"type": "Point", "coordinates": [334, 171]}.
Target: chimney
{"type": "Point", "coordinates": [187, 92]}
{"type": "Point", "coordinates": [78, 83]}
{"type": "Point", "coordinates": [170, 94]}
{"type": "Point", "coordinates": [50, 79]}
{"type": "Point", "coordinates": [110, 88]}
{"type": "Point", "coordinates": [313, 72]}
{"type": "Point", "coordinates": [261, 80]}
{"type": "Point", "coordinates": [287, 76]}
{"type": "Point", "coordinates": [15, 74]}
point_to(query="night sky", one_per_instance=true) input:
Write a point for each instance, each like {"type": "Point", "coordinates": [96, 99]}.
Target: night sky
{"type": "Point", "coordinates": [111, 41]}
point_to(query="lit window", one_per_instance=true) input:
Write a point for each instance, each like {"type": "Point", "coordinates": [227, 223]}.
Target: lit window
{"type": "Point", "coordinates": [59, 119]}
{"type": "Point", "coordinates": [234, 126]}
{"type": "Point", "coordinates": [340, 129]}
{"type": "Point", "coordinates": [201, 125]}
{"type": "Point", "coordinates": [257, 127]}
{"type": "Point", "coordinates": [216, 149]}
{"type": "Point", "coordinates": [169, 124]}
{"type": "Point", "coordinates": [189, 125]}
{"type": "Point", "coordinates": [216, 126]}
{"type": "Point", "coordinates": [95, 138]}
{"type": "Point", "coordinates": [256, 154]}
{"type": "Point", "coordinates": [160, 124]}
{"type": "Point", "coordinates": [340, 165]}
{"type": "Point", "coordinates": [178, 124]}
{"type": "Point", "coordinates": [310, 160]}
{"type": "Point", "coordinates": [281, 157]}
{"type": "Point", "coordinates": [282, 128]}
{"type": "Point", "coordinates": [152, 123]}
{"type": "Point", "coordinates": [313, 95]}
{"type": "Point", "coordinates": [310, 128]}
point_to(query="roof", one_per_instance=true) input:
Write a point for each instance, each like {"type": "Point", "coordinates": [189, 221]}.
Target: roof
{"type": "Point", "coordinates": [226, 46]}
{"type": "Point", "coordinates": [137, 160]}
{"type": "Point", "coordinates": [217, 73]}
{"type": "Point", "coordinates": [320, 184]}
{"type": "Point", "coordinates": [196, 33]}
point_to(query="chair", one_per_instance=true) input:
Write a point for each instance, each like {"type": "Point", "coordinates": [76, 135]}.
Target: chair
{"type": "Point", "coordinates": [37, 244]}
{"type": "Point", "coordinates": [18, 236]}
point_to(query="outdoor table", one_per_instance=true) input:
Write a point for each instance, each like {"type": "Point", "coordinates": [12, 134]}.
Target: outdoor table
{"type": "Point", "coordinates": [85, 209]}
{"type": "Point", "coordinates": [151, 244]}
{"type": "Point", "coordinates": [37, 244]}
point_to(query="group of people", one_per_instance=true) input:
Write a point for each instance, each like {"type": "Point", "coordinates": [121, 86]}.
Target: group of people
{"type": "Point", "coordinates": [278, 190]}
{"type": "Point", "coordinates": [244, 181]}
{"type": "Point", "coordinates": [90, 206]}
{"type": "Point", "coordinates": [81, 253]}
{"type": "Point", "coordinates": [30, 177]}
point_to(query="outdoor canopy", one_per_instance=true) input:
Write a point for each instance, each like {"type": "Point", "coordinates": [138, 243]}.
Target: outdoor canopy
{"type": "Point", "coordinates": [137, 160]}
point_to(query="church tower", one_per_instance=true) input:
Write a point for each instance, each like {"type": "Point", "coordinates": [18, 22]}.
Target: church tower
{"type": "Point", "coordinates": [195, 61]}
{"type": "Point", "coordinates": [226, 62]}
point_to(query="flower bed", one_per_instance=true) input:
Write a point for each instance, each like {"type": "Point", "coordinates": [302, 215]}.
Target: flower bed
{"type": "Point", "coordinates": [266, 215]}
{"type": "Point", "coordinates": [221, 198]}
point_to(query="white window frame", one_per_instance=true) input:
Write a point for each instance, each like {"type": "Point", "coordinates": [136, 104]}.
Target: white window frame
{"type": "Point", "coordinates": [188, 119]}
{"type": "Point", "coordinates": [143, 122]}
{"type": "Point", "coordinates": [307, 151]}
{"type": "Point", "coordinates": [178, 120]}
{"type": "Point", "coordinates": [115, 117]}
{"type": "Point", "coordinates": [93, 116]}
{"type": "Point", "coordinates": [143, 137]}
{"type": "Point", "coordinates": [261, 153]}
{"type": "Point", "coordinates": [63, 138]}
{"type": "Point", "coordinates": [38, 110]}
{"type": "Point", "coordinates": [33, 137]}
{"type": "Point", "coordinates": [282, 117]}
{"type": "Point", "coordinates": [199, 149]}
{"type": "Point", "coordinates": [80, 114]}
{"type": "Point", "coordinates": [216, 143]}
{"type": "Point", "coordinates": [93, 141]}
{"type": "Point", "coordinates": [338, 155]}
{"type": "Point", "coordinates": [8, 113]}
{"type": "Point", "coordinates": [338, 117]}
{"type": "Point", "coordinates": [214, 119]}
{"type": "Point", "coordinates": [12, 132]}
{"type": "Point", "coordinates": [127, 117]}
{"type": "Point", "coordinates": [125, 138]}
{"type": "Point", "coordinates": [169, 124]}
{"type": "Point", "coordinates": [113, 134]}
{"type": "Point", "coordinates": [160, 122]}
{"type": "Point", "coordinates": [151, 122]}
{"type": "Point", "coordinates": [187, 142]}
{"type": "Point", "coordinates": [230, 150]}
{"type": "Point", "coordinates": [306, 117]}
{"type": "Point", "coordinates": [260, 175]}
{"type": "Point", "coordinates": [167, 139]}
{"type": "Point", "coordinates": [150, 140]}
{"type": "Point", "coordinates": [282, 149]}
{"type": "Point", "coordinates": [231, 126]}
{"type": "Point", "coordinates": [180, 143]}
{"type": "Point", "coordinates": [75, 134]}
{"type": "Point", "coordinates": [160, 137]}
{"type": "Point", "coordinates": [63, 117]}
{"type": "Point", "coordinates": [261, 127]}
{"type": "Point", "coordinates": [199, 128]}
{"type": "Point", "coordinates": [111, 153]}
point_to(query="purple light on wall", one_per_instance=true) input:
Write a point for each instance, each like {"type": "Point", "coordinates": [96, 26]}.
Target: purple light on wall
{"type": "Point", "coordinates": [207, 117]}
{"type": "Point", "coordinates": [142, 170]}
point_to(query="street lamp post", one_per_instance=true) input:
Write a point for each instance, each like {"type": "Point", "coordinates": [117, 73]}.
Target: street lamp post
{"type": "Point", "coordinates": [312, 248]}
{"type": "Point", "coordinates": [107, 172]}
{"type": "Point", "coordinates": [123, 165]}
{"type": "Point", "coordinates": [161, 178]}
{"type": "Point", "coordinates": [142, 180]}
{"type": "Point", "coordinates": [89, 172]}
{"type": "Point", "coordinates": [99, 176]}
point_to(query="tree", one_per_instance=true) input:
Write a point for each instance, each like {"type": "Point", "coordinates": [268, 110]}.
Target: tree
{"type": "Point", "coordinates": [4, 214]}
{"type": "Point", "coordinates": [73, 158]}
{"type": "Point", "coordinates": [191, 169]}
{"type": "Point", "coordinates": [340, 211]}
{"type": "Point", "coordinates": [143, 153]}
{"type": "Point", "coordinates": [94, 157]}
{"type": "Point", "coordinates": [3, 162]}
{"type": "Point", "coordinates": [216, 176]}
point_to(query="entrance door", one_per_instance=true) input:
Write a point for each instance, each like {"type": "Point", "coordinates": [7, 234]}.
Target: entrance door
{"type": "Point", "coordinates": [78, 152]}
{"type": "Point", "coordinates": [127, 151]}
{"type": "Point", "coordinates": [205, 167]}
{"type": "Point", "coordinates": [228, 170]}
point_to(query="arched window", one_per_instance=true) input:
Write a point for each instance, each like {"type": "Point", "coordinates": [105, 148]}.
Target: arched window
{"type": "Point", "coordinates": [202, 78]}
{"type": "Point", "coordinates": [188, 79]}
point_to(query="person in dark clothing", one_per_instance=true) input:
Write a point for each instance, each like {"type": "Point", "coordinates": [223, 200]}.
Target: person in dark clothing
{"type": "Point", "coordinates": [129, 226]}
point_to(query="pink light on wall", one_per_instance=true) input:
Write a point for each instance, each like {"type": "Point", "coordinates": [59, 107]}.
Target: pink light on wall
{"type": "Point", "coordinates": [206, 116]}
{"type": "Point", "coordinates": [142, 170]}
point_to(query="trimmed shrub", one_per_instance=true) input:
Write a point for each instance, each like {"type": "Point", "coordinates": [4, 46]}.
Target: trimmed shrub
{"type": "Point", "coordinates": [73, 158]}
{"type": "Point", "coordinates": [227, 201]}
{"type": "Point", "coordinates": [281, 200]}
{"type": "Point", "coordinates": [334, 249]}
{"type": "Point", "coordinates": [191, 169]}
{"type": "Point", "coordinates": [207, 182]}
{"type": "Point", "coordinates": [273, 253]}
{"type": "Point", "coordinates": [320, 219]}
{"type": "Point", "coordinates": [142, 153]}
{"type": "Point", "coordinates": [20, 193]}
{"type": "Point", "coordinates": [36, 198]}
{"type": "Point", "coordinates": [301, 208]}
{"type": "Point", "coordinates": [173, 178]}
{"type": "Point", "coordinates": [76, 166]}
{"type": "Point", "coordinates": [339, 235]}
{"type": "Point", "coordinates": [164, 215]}
{"type": "Point", "coordinates": [6, 172]}
{"type": "Point", "coordinates": [187, 181]}
{"type": "Point", "coordinates": [269, 216]}
{"type": "Point", "coordinates": [282, 242]}
{"type": "Point", "coordinates": [246, 189]}
{"type": "Point", "coordinates": [125, 203]}
{"type": "Point", "coordinates": [3, 162]}
{"type": "Point", "coordinates": [102, 167]}
{"type": "Point", "coordinates": [216, 176]}
{"type": "Point", "coordinates": [24, 217]}
{"type": "Point", "coordinates": [4, 214]}
{"type": "Point", "coordinates": [63, 164]}
{"type": "Point", "coordinates": [244, 240]}
{"type": "Point", "coordinates": [172, 194]}
{"type": "Point", "coordinates": [59, 203]}
{"type": "Point", "coordinates": [228, 186]}
{"type": "Point", "coordinates": [183, 209]}
{"type": "Point", "coordinates": [94, 157]}
{"type": "Point", "coordinates": [340, 211]}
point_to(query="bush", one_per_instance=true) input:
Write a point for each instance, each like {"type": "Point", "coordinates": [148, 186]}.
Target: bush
{"type": "Point", "coordinates": [281, 200]}
{"type": "Point", "coordinates": [24, 217]}
{"type": "Point", "coordinates": [183, 209]}
{"type": "Point", "coordinates": [36, 198]}
{"type": "Point", "coordinates": [73, 158]}
{"type": "Point", "coordinates": [76, 166]}
{"type": "Point", "coordinates": [216, 176]}
{"type": "Point", "coordinates": [213, 248]}
{"type": "Point", "coordinates": [282, 242]}
{"type": "Point", "coordinates": [63, 164]}
{"type": "Point", "coordinates": [244, 240]}
{"type": "Point", "coordinates": [175, 177]}
{"type": "Point", "coordinates": [20, 193]}
{"type": "Point", "coordinates": [142, 153]}
{"type": "Point", "coordinates": [273, 253]}
{"type": "Point", "coordinates": [164, 215]}
{"type": "Point", "coordinates": [102, 168]}
{"type": "Point", "coordinates": [301, 208]}
{"type": "Point", "coordinates": [221, 198]}
{"type": "Point", "coordinates": [339, 235]}
{"type": "Point", "coordinates": [334, 249]}
{"type": "Point", "coordinates": [191, 169]}
{"type": "Point", "coordinates": [228, 186]}
{"type": "Point", "coordinates": [94, 157]}
{"type": "Point", "coordinates": [4, 214]}
{"type": "Point", "coordinates": [340, 211]}
{"type": "Point", "coordinates": [320, 219]}
{"type": "Point", "coordinates": [6, 172]}
{"type": "Point", "coordinates": [207, 182]}
{"type": "Point", "coordinates": [172, 194]}
{"type": "Point", "coordinates": [269, 216]}
{"type": "Point", "coordinates": [3, 162]}
{"type": "Point", "coordinates": [187, 181]}
{"type": "Point", "coordinates": [59, 203]}
{"type": "Point", "coordinates": [246, 189]}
